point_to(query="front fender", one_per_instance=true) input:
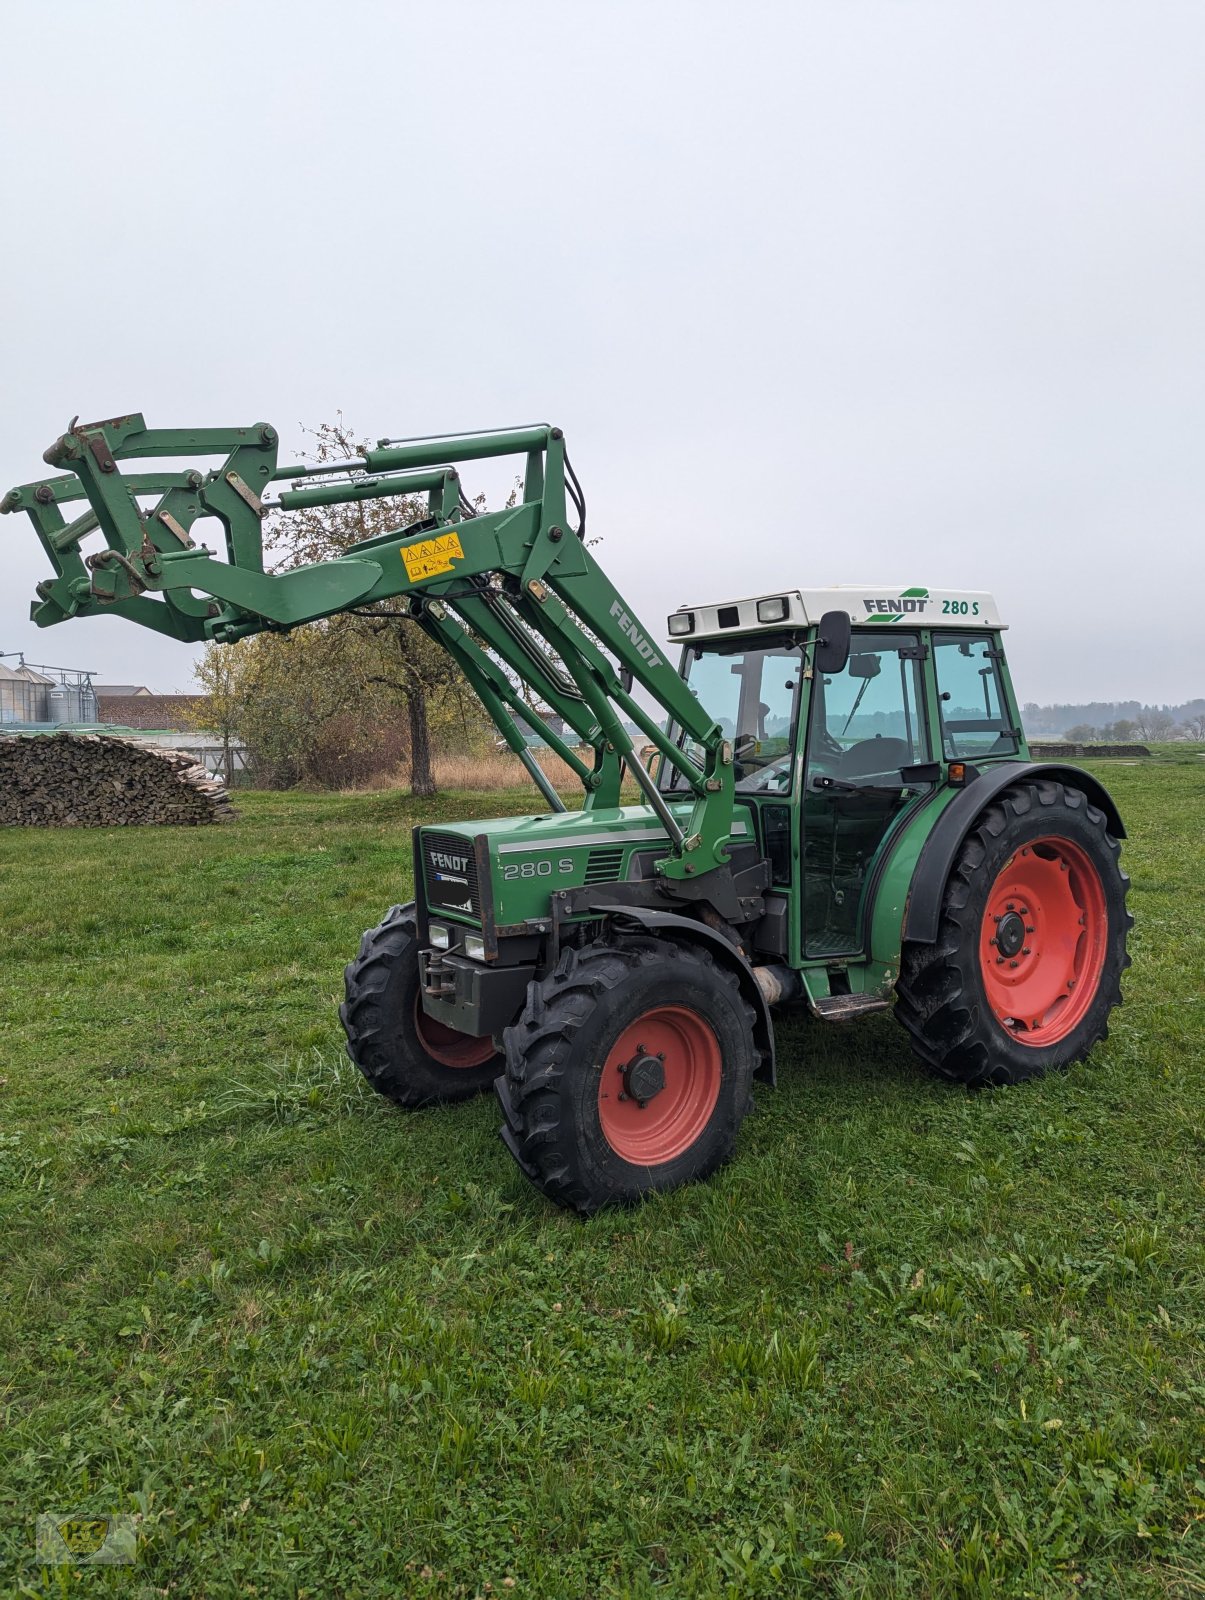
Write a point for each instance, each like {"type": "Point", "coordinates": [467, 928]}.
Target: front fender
{"type": "Point", "coordinates": [669, 922]}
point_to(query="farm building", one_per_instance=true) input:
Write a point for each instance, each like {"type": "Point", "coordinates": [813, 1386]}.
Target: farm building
{"type": "Point", "coordinates": [139, 708]}
{"type": "Point", "coordinates": [37, 696]}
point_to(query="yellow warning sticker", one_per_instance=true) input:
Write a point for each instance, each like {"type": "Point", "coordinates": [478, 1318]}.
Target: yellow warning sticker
{"type": "Point", "coordinates": [432, 556]}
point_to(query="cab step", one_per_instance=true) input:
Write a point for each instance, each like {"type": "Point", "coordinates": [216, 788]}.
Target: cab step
{"type": "Point", "coordinates": [846, 1007]}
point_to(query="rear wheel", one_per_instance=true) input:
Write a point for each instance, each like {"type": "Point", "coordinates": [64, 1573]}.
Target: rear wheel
{"type": "Point", "coordinates": [628, 1072]}
{"type": "Point", "coordinates": [405, 1054]}
{"type": "Point", "coordinates": [1031, 946]}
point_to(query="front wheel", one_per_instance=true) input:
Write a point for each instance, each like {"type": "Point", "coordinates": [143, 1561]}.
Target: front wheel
{"type": "Point", "coordinates": [628, 1072]}
{"type": "Point", "coordinates": [406, 1055]}
{"type": "Point", "coordinates": [1027, 963]}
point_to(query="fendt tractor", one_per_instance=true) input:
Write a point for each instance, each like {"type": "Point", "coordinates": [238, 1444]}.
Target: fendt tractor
{"type": "Point", "coordinates": [838, 811]}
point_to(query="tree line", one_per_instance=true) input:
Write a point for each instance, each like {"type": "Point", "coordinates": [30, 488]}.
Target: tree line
{"type": "Point", "coordinates": [1118, 722]}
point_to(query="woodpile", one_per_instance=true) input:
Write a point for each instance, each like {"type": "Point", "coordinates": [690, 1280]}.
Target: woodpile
{"type": "Point", "coordinates": [69, 780]}
{"type": "Point", "coordinates": [1066, 751]}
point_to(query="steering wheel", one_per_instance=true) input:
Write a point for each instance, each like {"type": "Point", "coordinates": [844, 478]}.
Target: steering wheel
{"type": "Point", "coordinates": [770, 776]}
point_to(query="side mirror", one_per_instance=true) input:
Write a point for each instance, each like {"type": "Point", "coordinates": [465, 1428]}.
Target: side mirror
{"type": "Point", "coordinates": [832, 642]}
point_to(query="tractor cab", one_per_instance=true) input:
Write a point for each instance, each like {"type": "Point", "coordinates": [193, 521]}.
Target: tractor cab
{"type": "Point", "coordinates": [842, 731]}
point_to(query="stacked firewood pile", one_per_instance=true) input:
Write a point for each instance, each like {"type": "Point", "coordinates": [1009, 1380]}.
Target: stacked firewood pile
{"type": "Point", "coordinates": [68, 780]}
{"type": "Point", "coordinates": [1063, 750]}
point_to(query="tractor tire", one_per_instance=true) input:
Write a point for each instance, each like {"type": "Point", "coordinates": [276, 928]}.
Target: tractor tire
{"type": "Point", "coordinates": [628, 1072]}
{"type": "Point", "coordinates": [406, 1055]}
{"type": "Point", "coordinates": [1031, 943]}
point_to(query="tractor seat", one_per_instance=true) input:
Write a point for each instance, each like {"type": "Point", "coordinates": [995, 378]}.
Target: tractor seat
{"type": "Point", "coordinates": [876, 755]}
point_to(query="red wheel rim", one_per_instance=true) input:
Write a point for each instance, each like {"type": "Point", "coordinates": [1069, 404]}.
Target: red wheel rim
{"type": "Point", "coordinates": [1043, 942]}
{"type": "Point", "coordinates": [445, 1045]}
{"type": "Point", "coordinates": [643, 1122]}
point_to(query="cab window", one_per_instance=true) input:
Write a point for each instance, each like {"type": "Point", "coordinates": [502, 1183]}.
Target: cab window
{"type": "Point", "coordinates": [867, 721]}
{"type": "Point", "coordinates": [970, 697]}
{"type": "Point", "coordinates": [752, 693]}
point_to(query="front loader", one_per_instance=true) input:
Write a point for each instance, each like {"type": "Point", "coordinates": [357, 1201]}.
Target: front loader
{"type": "Point", "coordinates": [840, 811]}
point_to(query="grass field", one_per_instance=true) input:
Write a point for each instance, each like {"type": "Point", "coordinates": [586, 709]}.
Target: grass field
{"type": "Point", "coordinates": [911, 1342]}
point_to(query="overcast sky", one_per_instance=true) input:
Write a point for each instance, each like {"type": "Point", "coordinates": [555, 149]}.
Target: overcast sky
{"type": "Point", "coordinates": [869, 290]}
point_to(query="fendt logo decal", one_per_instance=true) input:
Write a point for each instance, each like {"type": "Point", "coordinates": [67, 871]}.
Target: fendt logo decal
{"type": "Point", "coordinates": [449, 863]}
{"type": "Point", "coordinates": [911, 603]}
{"type": "Point", "coordinates": [643, 648]}
{"type": "Point", "coordinates": [914, 602]}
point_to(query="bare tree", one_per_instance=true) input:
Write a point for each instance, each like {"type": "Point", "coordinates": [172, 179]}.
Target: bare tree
{"type": "Point", "coordinates": [217, 711]}
{"type": "Point", "coordinates": [410, 664]}
{"type": "Point", "coordinates": [1152, 722]}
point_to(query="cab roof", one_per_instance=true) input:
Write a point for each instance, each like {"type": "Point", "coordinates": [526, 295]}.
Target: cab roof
{"type": "Point", "coordinates": [875, 605]}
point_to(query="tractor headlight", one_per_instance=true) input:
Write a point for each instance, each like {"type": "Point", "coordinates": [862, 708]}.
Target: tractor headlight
{"type": "Point", "coordinates": [474, 947]}
{"type": "Point", "coordinates": [776, 610]}
{"type": "Point", "coordinates": [681, 622]}
{"type": "Point", "coordinates": [438, 936]}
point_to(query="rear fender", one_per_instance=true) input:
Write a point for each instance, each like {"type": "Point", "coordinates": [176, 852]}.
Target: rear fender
{"type": "Point", "coordinates": [668, 922]}
{"type": "Point", "coordinates": [923, 910]}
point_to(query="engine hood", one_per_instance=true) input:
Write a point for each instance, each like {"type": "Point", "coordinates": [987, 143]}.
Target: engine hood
{"type": "Point", "coordinates": [530, 857]}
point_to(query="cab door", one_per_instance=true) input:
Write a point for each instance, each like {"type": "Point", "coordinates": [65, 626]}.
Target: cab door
{"type": "Point", "coordinates": [867, 746]}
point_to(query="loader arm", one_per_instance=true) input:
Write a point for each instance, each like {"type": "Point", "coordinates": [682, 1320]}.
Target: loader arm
{"type": "Point", "coordinates": [509, 594]}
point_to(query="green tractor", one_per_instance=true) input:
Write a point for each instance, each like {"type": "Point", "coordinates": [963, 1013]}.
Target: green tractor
{"type": "Point", "coordinates": [839, 810]}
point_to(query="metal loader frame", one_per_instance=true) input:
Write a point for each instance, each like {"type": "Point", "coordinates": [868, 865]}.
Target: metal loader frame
{"type": "Point", "coordinates": [511, 595]}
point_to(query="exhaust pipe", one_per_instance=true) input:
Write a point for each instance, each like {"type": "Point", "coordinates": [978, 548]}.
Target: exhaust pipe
{"type": "Point", "coordinates": [778, 984]}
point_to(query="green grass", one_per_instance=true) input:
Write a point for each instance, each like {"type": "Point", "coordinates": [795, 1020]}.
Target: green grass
{"type": "Point", "coordinates": [911, 1342]}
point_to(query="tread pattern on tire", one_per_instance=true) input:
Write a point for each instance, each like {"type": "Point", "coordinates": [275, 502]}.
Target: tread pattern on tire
{"type": "Point", "coordinates": [540, 1051]}
{"type": "Point", "coordinates": [372, 1032]}
{"type": "Point", "coordinates": [945, 1022]}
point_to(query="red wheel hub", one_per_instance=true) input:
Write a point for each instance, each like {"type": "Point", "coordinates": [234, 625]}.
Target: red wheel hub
{"type": "Point", "coordinates": [659, 1085]}
{"type": "Point", "coordinates": [445, 1045]}
{"type": "Point", "coordinates": [1043, 942]}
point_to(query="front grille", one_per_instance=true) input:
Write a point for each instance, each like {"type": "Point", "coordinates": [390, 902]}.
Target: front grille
{"type": "Point", "coordinates": [603, 865]}
{"type": "Point", "coordinates": [450, 869]}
